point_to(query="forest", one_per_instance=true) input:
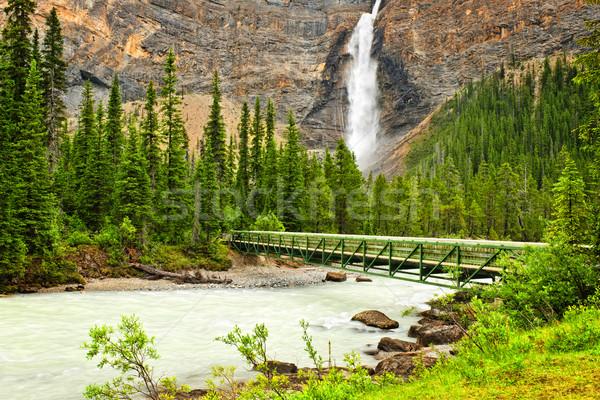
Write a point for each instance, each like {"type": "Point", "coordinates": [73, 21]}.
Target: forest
{"type": "Point", "coordinates": [505, 158]}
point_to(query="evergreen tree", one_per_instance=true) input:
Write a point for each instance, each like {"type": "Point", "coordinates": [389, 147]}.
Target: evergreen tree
{"type": "Point", "coordinates": [151, 139]}
{"type": "Point", "coordinates": [317, 208]}
{"type": "Point", "coordinates": [243, 171]}
{"type": "Point", "coordinates": [53, 69]}
{"type": "Point", "coordinates": [34, 202]}
{"type": "Point", "coordinates": [207, 201]}
{"type": "Point", "coordinates": [35, 48]}
{"type": "Point", "coordinates": [132, 192]}
{"type": "Point", "coordinates": [570, 207]}
{"type": "Point", "coordinates": [270, 160]}
{"type": "Point", "coordinates": [114, 124]}
{"type": "Point", "coordinates": [291, 184]}
{"type": "Point", "coordinates": [256, 151]}
{"type": "Point", "coordinates": [16, 41]}
{"type": "Point", "coordinates": [84, 137]}
{"type": "Point", "coordinates": [348, 193]}
{"type": "Point", "coordinates": [175, 169]}
{"type": "Point", "coordinates": [214, 131]}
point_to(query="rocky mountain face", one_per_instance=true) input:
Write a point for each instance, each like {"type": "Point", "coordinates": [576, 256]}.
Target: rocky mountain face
{"type": "Point", "coordinates": [295, 51]}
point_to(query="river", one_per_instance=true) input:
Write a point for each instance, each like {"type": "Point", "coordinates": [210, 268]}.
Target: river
{"type": "Point", "coordinates": [41, 334]}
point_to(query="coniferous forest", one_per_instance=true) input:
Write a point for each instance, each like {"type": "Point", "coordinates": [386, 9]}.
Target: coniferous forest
{"type": "Point", "coordinates": [501, 160]}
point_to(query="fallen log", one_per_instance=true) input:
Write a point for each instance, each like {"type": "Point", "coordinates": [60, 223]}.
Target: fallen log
{"type": "Point", "coordinates": [197, 276]}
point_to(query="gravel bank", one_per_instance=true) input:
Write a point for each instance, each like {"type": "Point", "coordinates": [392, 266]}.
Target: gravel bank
{"type": "Point", "coordinates": [247, 272]}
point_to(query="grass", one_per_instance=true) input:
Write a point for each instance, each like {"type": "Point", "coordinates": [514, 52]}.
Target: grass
{"type": "Point", "coordinates": [559, 361]}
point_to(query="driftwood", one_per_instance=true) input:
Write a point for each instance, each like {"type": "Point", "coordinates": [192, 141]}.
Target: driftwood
{"type": "Point", "coordinates": [197, 276]}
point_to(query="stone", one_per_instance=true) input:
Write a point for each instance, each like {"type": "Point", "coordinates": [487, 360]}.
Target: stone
{"type": "Point", "coordinates": [363, 279]}
{"type": "Point", "coordinates": [441, 334]}
{"type": "Point", "coordinates": [336, 276]}
{"type": "Point", "coordinates": [375, 318]}
{"type": "Point", "coordinates": [403, 365]}
{"type": "Point", "coordinates": [282, 367]}
{"type": "Point", "coordinates": [413, 331]}
{"type": "Point", "coordinates": [391, 345]}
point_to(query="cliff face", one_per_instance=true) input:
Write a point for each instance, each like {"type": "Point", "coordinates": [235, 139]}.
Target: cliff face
{"type": "Point", "coordinates": [290, 50]}
{"type": "Point", "coordinates": [429, 49]}
{"type": "Point", "coordinates": [295, 51]}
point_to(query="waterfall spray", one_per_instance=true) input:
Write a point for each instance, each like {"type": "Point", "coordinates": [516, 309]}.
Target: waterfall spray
{"type": "Point", "coordinates": [363, 114]}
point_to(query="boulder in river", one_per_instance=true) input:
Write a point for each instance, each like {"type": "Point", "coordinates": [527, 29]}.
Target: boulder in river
{"type": "Point", "coordinates": [392, 345]}
{"type": "Point", "coordinates": [361, 278]}
{"type": "Point", "coordinates": [375, 318]}
{"type": "Point", "coordinates": [282, 367]}
{"type": "Point", "coordinates": [403, 365]}
{"type": "Point", "coordinates": [440, 334]}
{"type": "Point", "coordinates": [335, 276]}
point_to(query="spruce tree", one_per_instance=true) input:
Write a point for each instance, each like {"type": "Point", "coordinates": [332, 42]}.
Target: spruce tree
{"type": "Point", "coordinates": [269, 182]}
{"type": "Point", "coordinates": [570, 206]}
{"type": "Point", "coordinates": [175, 168]}
{"type": "Point", "coordinates": [256, 151]}
{"type": "Point", "coordinates": [243, 171]}
{"type": "Point", "coordinates": [151, 138]}
{"type": "Point", "coordinates": [53, 69]}
{"type": "Point", "coordinates": [34, 202]}
{"type": "Point", "coordinates": [16, 41]}
{"type": "Point", "coordinates": [291, 185]}
{"type": "Point", "coordinates": [349, 196]}
{"type": "Point", "coordinates": [214, 130]}
{"type": "Point", "coordinates": [133, 195]}
{"type": "Point", "coordinates": [84, 137]}
{"type": "Point", "coordinates": [114, 124]}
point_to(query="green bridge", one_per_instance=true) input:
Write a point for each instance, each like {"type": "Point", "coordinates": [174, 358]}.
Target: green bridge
{"type": "Point", "coordinates": [442, 262]}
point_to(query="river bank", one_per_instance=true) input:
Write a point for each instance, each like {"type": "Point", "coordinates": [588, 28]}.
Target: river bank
{"type": "Point", "coordinates": [247, 271]}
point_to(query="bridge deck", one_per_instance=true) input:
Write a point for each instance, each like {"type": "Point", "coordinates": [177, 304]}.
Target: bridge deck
{"type": "Point", "coordinates": [416, 259]}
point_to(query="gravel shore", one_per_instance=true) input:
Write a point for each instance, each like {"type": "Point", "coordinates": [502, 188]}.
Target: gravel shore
{"type": "Point", "coordinates": [247, 271]}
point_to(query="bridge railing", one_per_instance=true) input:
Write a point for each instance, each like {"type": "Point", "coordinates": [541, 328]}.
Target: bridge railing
{"type": "Point", "coordinates": [443, 262]}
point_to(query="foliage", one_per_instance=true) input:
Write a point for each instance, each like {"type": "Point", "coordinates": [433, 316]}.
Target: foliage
{"type": "Point", "coordinates": [127, 349]}
{"type": "Point", "coordinates": [309, 348]}
{"type": "Point", "coordinates": [252, 346]}
{"type": "Point", "coordinates": [547, 281]}
{"type": "Point", "coordinates": [268, 223]}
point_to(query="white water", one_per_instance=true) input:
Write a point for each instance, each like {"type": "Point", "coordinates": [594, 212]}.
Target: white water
{"type": "Point", "coordinates": [363, 114]}
{"type": "Point", "coordinates": [41, 335]}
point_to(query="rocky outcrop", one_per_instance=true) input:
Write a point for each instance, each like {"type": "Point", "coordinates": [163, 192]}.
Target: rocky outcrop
{"type": "Point", "coordinates": [376, 319]}
{"type": "Point", "coordinates": [392, 345]}
{"type": "Point", "coordinates": [296, 51]}
{"type": "Point", "coordinates": [428, 50]}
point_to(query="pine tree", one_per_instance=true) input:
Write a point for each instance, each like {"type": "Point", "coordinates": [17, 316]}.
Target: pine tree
{"type": "Point", "coordinates": [214, 130]}
{"type": "Point", "coordinates": [570, 206]}
{"type": "Point", "coordinates": [34, 201]}
{"type": "Point", "coordinates": [16, 41]}
{"type": "Point", "coordinates": [53, 69]}
{"type": "Point", "coordinates": [114, 124]}
{"type": "Point", "coordinates": [290, 187]}
{"type": "Point", "coordinates": [132, 193]}
{"type": "Point", "coordinates": [83, 138]}
{"type": "Point", "coordinates": [35, 48]}
{"type": "Point", "coordinates": [243, 171]}
{"type": "Point", "coordinates": [270, 160]}
{"type": "Point", "coordinates": [349, 196]}
{"type": "Point", "coordinates": [151, 139]}
{"type": "Point", "coordinates": [175, 169]}
{"type": "Point", "coordinates": [317, 208]}
{"type": "Point", "coordinates": [207, 201]}
{"type": "Point", "coordinates": [256, 151]}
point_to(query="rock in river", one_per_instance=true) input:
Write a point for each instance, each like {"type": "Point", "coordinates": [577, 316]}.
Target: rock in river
{"type": "Point", "coordinates": [376, 319]}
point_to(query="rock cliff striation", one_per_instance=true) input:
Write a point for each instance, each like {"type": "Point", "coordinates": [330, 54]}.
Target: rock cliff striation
{"type": "Point", "coordinates": [295, 51]}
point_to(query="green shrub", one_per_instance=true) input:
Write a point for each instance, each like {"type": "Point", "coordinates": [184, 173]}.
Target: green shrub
{"type": "Point", "coordinates": [268, 223]}
{"type": "Point", "coordinates": [579, 330]}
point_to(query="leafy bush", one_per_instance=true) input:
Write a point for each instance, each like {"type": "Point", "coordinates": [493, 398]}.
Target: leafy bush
{"type": "Point", "coordinates": [268, 223]}
{"type": "Point", "coordinates": [547, 282]}
{"type": "Point", "coordinates": [579, 330]}
{"type": "Point", "coordinates": [127, 349]}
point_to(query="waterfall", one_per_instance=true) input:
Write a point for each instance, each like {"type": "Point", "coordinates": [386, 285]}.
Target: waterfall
{"type": "Point", "coordinates": [363, 113]}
